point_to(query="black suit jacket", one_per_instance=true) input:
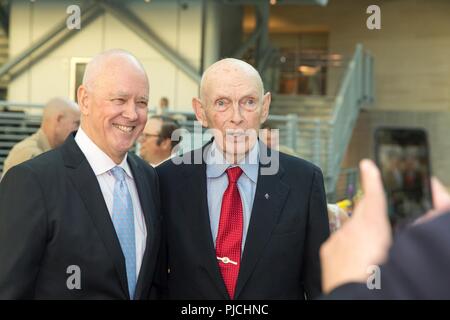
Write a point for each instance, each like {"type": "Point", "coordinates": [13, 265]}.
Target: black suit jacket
{"type": "Point", "coordinates": [417, 268]}
{"type": "Point", "coordinates": [53, 215]}
{"type": "Point", "coordinates": [281, 254]}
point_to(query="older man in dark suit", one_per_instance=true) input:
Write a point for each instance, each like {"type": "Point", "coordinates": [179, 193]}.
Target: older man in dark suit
{"type": "Point", "coordinates": [243, 222]}
{"type": "Point", "coordinates": [83, 221]}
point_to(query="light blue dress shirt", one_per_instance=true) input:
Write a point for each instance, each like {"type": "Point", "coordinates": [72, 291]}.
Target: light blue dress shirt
{"type": "Point", "coordinates": [217, 183]}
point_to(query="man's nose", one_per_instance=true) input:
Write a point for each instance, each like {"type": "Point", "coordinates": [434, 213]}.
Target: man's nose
{"type": "Point", "coordinates": [130, 111]}
{"type": "Point", "coordinates": [237, 116]}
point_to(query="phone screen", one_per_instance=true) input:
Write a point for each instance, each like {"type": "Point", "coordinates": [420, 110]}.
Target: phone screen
{"type": "Point", "coordinates": [403, 158]}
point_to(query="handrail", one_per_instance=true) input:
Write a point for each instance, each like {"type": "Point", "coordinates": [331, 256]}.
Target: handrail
{"type": "Point", "coordinates": [356, 89]}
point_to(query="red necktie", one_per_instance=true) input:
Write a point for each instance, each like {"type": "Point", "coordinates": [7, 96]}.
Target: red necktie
{"type": "Point", "coordinates": [229, 237]}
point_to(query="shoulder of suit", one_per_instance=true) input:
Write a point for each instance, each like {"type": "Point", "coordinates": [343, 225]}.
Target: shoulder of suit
{"type": "Point", "coordinates": [45, 163]}
{"type": "Point", "coordinates": [42, 166]}
{"type": "Point", "coordinates": [26, 150]}
{"type": "Point", "coordinates": [175, 164]}
{"type": "Point", "coordinates": [290, 163]}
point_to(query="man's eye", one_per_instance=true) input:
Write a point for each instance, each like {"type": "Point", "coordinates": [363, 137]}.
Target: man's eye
{"type": "Point", "coordinates": [118, 101]}
{"type": "Point", "coordinates": [221, 103]}
{"type": "Point", "coordinates": [250, 103]}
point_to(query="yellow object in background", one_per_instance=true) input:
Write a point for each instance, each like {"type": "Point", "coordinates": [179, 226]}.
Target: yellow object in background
{"type": "Point", "coordinates": [344, 204]}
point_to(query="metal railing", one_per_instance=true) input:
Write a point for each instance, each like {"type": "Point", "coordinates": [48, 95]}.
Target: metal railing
{"type": "Point", "coordinates": [302, 136]}
{"type": "Point", "coordinates": [356, 89]}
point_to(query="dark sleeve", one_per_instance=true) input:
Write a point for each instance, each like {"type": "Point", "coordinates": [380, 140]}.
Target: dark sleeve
{"type": "Point", "coordinates": [318, 231]}
{"type": "Point", "coordinates": [417, 267]}
{"type": "Point", "coordinates": [23, 228]}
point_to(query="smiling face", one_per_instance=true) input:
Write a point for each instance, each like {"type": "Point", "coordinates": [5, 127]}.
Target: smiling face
{"type": "Point", "coordinates": [113, 102]}
{"type": "Point", "coordinates": [233, 104]}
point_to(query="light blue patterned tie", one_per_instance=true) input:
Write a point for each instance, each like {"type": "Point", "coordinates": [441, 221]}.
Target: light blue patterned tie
{"type": "Point", "coordinates": [123, 220]}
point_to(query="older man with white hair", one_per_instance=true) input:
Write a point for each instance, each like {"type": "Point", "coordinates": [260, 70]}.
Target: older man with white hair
{"type": "Point", "coordinates": [82, 221]}
{"type": "Point", "coordinates": [236, 230]}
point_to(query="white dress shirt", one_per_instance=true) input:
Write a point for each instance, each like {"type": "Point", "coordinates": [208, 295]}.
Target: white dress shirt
{"type": "Point", "coordinates": [101, 164]}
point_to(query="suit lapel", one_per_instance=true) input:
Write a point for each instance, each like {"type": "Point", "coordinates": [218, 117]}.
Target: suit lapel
{"type": "Point", "coordinates": [85, 181]}
{"type": "Point", "coordinates": [195, 201]}
{"type": "Point", "coordinates": [270, 196]}
{"type": "Point", "coordinates": [149, 210]}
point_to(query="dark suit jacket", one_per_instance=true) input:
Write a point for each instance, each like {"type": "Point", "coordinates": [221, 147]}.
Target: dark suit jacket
{"type": "Point", "coordinates": [417, 268]}
{"type": "Point", "coordinates": [53, 215]}
{"type": "Point", "coordinates": [281, 254]}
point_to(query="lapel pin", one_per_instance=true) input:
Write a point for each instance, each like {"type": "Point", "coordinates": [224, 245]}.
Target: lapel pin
{"type": "Point", "coordinates": [266, 196]}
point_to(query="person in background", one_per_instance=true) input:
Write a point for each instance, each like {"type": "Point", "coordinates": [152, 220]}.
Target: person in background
{"type": "Point", "coordinates": [60, 117]}
{"type": "Point", "coordinates": [163, 106]}
{"type": "Point", "coordinates": [156, 140]}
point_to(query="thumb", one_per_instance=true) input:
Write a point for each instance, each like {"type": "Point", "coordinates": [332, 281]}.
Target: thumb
{"type": "Point", "coordinates": [374, 198]}
{"type": "Point", "coordinates": [441, 202]}
{"type": "Point", "coordinates": [441, 198]}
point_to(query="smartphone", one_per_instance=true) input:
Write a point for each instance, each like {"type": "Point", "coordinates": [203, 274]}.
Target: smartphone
{"type": "Point", "coordinates": [403, 156]}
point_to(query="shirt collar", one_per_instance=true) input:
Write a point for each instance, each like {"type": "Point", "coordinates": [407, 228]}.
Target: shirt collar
{"type": "Point", "coordinates": [99, 161]}
{"type": "Point", "coordinates": [216, 164]}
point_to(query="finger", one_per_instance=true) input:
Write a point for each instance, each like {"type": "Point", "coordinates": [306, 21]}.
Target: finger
{"type": "Point", "coordinates": [372, 184]}
{"type": "Point", "coordinates": [441, 197]}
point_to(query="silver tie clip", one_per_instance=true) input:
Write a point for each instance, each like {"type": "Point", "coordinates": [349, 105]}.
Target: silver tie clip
{"type": "Point", "coordinates": [227, 260]}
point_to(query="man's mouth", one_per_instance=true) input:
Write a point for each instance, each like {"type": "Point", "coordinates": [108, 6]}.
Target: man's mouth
{"type": "Point", "coordinates": [126, 129]}
{"type": "Point", "coordinates": [235, 134]}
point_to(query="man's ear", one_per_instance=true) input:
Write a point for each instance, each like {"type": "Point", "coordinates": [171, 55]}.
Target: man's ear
{"type": "Point", "coordinates": [267, 98]}
{"type": "Point", "coordinates": [199, 112]}
{"type": "Point", "coordinates": [82, 97]}
{"type": "Point", "coordinates": [59, 117]}
{"type": "Point", "coordinates": [166, 144]}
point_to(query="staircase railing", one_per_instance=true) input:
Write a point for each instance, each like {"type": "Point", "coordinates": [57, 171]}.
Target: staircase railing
{"type": "Point", "coordinates": [356, 89]}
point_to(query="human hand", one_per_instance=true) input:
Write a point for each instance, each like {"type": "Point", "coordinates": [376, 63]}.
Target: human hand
{"type": "Point", "coordinates": [363, 241]}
